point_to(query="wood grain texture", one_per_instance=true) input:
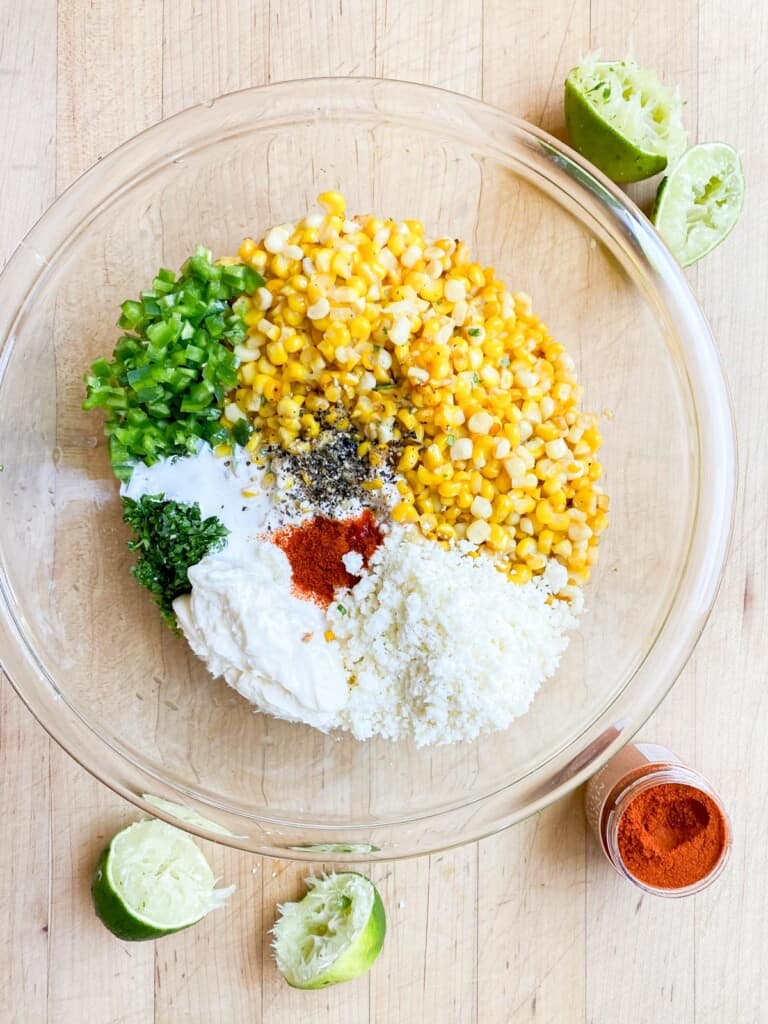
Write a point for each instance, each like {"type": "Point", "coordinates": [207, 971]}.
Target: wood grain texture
{"type": "Point", "coordinates": [114, 982]}
{"type": "Point", "coordinates": [529, 926]}
{"type": "Point", "coordinates": [532, 927]}
{"type": "Point", "coordinates": [27, 183]}
{"type": "Point", "coordinates": [728, 670]}
{"type": "Point", "coordinates": [655, 953]}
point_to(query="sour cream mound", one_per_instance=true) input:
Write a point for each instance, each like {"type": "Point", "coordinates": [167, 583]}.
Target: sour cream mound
{"type": "Point", "coordinates": [243, 621]}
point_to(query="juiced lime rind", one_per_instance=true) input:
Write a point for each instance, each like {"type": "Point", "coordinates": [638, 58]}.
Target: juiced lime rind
{"type": "Point", "coordinates": [333, 934]}
{"type": "Point", "coordinates": [112, 911]}
{"type": "Point", "coordinates": [700, 201]}
{"type": "Point", "coordinates": [152, 880]}
{"type": "Point", "coordinates": [603, 145]}
{"type": "Point", "coordinates": [623, 119]}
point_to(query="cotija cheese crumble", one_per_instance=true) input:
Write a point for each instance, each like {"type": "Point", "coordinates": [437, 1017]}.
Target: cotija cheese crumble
{"type": "Point", "coordinates": [441, 647]}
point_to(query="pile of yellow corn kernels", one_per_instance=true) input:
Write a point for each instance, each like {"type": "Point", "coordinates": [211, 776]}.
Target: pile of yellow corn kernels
{"type": "Point", "coordinates": [365, 325]}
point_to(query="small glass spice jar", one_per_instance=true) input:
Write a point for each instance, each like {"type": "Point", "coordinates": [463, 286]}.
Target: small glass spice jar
{"type": "Point", "coordinates": [660, 823]}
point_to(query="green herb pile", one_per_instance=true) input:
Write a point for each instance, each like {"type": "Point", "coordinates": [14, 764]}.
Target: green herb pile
{"type": "Point", "coordinates": [171, 370]}
{"type": "Point", "coordinates": [170, 537]}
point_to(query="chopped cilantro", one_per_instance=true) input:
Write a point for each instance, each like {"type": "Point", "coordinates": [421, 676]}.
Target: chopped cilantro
{"type": "Point", "coordinates": [341, 609]}
{"type": "Point", "coordinates": [170, 536]}
{"type": "Point", "coordinates": [473, 332]}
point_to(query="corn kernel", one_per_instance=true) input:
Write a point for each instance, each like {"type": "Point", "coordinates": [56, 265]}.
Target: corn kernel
{"type": "Point", "coordinates": [333, 202]}
{"type": "Point", "coordinates": [462, 449]}
{"type": "Point", "coordinates": [481, 507]}
{"type": "Point", "coordinates": [276, 353]}
{"type": "Point", "coordinates": [478, 531]}
{"type": "Point", "coordinates": [404, 512]}
{"type": "Point", "coordinates": [497, 538]}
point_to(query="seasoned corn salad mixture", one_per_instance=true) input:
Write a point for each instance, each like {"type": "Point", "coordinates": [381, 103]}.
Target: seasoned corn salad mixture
{"type": "Point", "coordinates": [359, 476]}
{"type": "Point", "coordinates": [364, 323]}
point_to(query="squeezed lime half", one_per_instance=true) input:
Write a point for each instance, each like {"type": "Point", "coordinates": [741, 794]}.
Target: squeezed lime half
{"type": "Point", "coordinates": [151, 880]}
{"type": "Point", "coordinates": [623, 119]}
{"type": "Point", "coordinates": [333, 934]}
{"type": "Point", "coordinates": [700, 200]}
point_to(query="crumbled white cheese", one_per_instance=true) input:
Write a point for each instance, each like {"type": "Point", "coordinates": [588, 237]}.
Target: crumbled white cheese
{"type": "Point", "coordinates": [441, 647]}
{"type": "Point", "coordinates": [353, 562]}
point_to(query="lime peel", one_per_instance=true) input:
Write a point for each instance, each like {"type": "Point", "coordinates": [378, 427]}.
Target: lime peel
{"type": "Point", "coordinates": [333, 934]}
{"type": "Point", "coordinates": [699, 202]}
{"type": "Point", "coordinates": [152, 880]}
{"type": "Point", "coordinates": [623, 119]}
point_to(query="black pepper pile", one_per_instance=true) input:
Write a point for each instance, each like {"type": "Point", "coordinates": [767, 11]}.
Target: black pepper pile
{"type": "Point", "coordinates": [330, 473]}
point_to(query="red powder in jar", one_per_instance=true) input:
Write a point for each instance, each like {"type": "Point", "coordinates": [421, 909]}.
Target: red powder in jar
{"type": "Point", "coordinates": [315, 550]}
{"type": "Point", "coordinates": [671, 836]}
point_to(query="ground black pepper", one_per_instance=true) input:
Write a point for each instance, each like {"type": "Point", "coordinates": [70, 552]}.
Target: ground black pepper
{"type": "Point", "coordinates": [330, 473]}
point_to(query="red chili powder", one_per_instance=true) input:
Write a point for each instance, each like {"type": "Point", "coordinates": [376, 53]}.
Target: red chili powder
{"type": "Point", "coordinates": [671, 836]}
{"type": "Point", "coordinates": [315, 550]}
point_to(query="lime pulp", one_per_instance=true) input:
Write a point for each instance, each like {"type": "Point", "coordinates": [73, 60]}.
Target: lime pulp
{"type": "Point", "coordinates": [623, 119]}
{"type": "Point", "coordinates": [333, 934]}
{"type": "Point", "coordinates": [151, 880]}
{"type": "Point", "coordinates": [699, 202]}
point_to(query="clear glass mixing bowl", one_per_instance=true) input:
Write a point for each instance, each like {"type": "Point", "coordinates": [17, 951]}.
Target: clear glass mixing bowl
{"type": "Point", "coordinates": [84, 646]}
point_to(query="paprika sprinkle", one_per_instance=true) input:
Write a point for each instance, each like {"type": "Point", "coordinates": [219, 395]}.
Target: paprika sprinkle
{"type": "Point", "coordinates": [316, 551]}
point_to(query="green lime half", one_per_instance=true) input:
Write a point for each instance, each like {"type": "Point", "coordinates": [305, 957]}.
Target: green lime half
{"type": "Point", "coordinates": [700, 200]}
{"type": "Point", "coordinates": [622, 118]}
{"type": "Point", "coordinates": [152, 880]}
{"type": "Point", "coordinates": [334, 934]}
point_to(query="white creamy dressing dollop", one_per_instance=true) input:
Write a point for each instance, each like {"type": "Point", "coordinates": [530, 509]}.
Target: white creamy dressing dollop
{"type": "Point", "coordinates": [233, 489]}
{"type": "Point", "coordinates": [243, 621]}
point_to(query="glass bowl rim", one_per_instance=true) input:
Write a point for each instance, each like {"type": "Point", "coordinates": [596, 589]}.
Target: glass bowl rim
{"type": "Point", "coordinates": [711, 527]}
